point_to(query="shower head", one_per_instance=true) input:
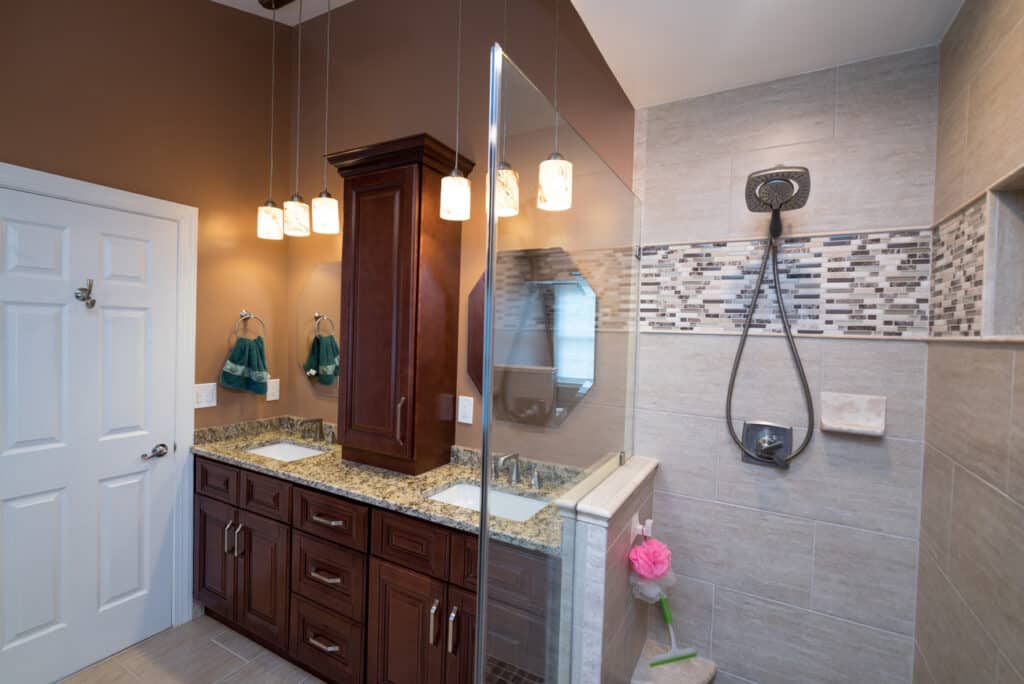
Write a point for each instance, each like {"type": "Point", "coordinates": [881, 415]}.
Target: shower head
{"type": "Point", "coordinates": [779, 188]}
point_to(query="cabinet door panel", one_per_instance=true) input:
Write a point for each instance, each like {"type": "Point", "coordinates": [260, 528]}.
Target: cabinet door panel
{"type": "Point", "coordinates": [406, 626]}
{"type": "Point", "coordinates": [262, 574]}
{"type": "Point", "coordinates": [378, 312]}
{"type": "Point", "coordinates": [326, 643]}
{"type": "Point", "coordinates": [217, 480]}
{"type": "Point", "coordinates": [460, 637]}
{"type": "Point", "coordinates": [329, 574]}
{"type": "Point", "coordinates": [214, 567]}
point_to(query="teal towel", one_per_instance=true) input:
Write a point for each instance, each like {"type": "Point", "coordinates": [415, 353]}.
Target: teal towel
{"type": "Point", "coordinates": [246, 367]}
{"type": "Point", "coordinates": [322, 362]}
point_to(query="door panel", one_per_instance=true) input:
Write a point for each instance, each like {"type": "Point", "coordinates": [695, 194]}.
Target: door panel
{"type": "Point", "coordinates": [377, 311]}
{"type": "Point", "coordinates": [213, 540]}
{"type": "Point", "coordinates": [80, 461]}
{"type": "Point", "coordinates": [262, 563]}
{"type": "Point", "coordinates": [406, 626]}
{"type": "Point", "coordinates": [460, 637]}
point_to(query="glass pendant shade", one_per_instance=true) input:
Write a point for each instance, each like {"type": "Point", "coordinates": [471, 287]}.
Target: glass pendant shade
{"type": "Point", "coordinates": [506, 190]}
{"type": "Point", "coordinates": [554, 185]}
{"type": "Point", "coordinates": [325, 214]}
{"type": "Point", "coordinates": [455, 196]}
{"type": "Point", "coordinates": [270, 222]}
{"type": "Point", "coordinates": [296, 217]}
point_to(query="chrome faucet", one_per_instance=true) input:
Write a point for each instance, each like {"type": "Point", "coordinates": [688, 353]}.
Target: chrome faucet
{"type": "Point", "coordinates": [513, 474]}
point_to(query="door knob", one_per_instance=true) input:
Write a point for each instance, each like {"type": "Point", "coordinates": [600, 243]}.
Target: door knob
{"type": "Point", "coordinates": [84, 294]}
{"type": "Point", "coordinates": [159, 451]}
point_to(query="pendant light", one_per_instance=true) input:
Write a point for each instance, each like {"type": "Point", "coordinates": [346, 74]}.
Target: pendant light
{"type": "Point", "coordinates": [296, 211]}
{"type": "Point", "coordinates": [554, 183]}
{"type": "Point", "coordinates": [506, 185]}
{"type": "Point", "coordinates": [325, 207]}
{"type": "Point", "coordinates": [455, 188]}
{"type": "Point", "coordinates": [269, 217]}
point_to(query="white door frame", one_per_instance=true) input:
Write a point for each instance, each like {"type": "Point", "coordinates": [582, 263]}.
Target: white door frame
{"type": "Point", "coordinates": [186, 218]}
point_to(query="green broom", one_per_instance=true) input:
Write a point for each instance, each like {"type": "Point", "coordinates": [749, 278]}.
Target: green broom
{"type": "Point", "coordinates": [651, 563]}
{"type": "Point", "coordinates": [674, 654]}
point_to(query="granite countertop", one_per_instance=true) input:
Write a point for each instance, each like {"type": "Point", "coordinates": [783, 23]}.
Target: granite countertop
{"type": "Point", "coordinates": [408, 494]}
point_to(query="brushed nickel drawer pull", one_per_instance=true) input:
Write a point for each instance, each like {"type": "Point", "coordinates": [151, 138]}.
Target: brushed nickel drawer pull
{"type": "Point", "coordinates": [398, 420]}
{"type": "Point", "coordinates": [238, 529]}
{"type": "Point", "coordinates": [433, 621]}
{"type": "Point", "coordinates": [322, 645]}
{"type": "Point", "coordinates": [324, 579]}
{"type": "Point", "coordinates": [227, 532]}
{"type": "Point", "coordinates": [327, 522]}
{"type": "Point", "coordinates": [452, 618]}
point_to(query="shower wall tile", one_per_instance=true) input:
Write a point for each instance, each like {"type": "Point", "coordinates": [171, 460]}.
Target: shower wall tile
{"type": "Point", "coordinates": [1007, 674]}
{"type": "Point", "coordinates": [958, 273]}
{"type": "Point", "coordinates": [772, 643]}
{"type": "Point", "coordinates": [951, 189]}
{"type": "Point", "coordinates": [894, 370]}
{"type": "Point", "coordinates": [692, 605]}
{"type": "Point", "coordinates": [695, 190]}
{"type": "Point", "coordinates": [891, 92]}
{"type": "Point", "coordinates": [986, 560]}
{"type": "Point", "coordinates": [740, 548]}
{"type": "Point", "coordinates": [922, 674]}
{"type": "Point", "coordinates": [870, 284]}
{"type": "Point", "coordinates": [686, 448]}
{"type": "Point", "coordinates": [968, 406]}
{"type": "Point", "coordinates": [1015, 483]}
{"type": "Point", "coordinates": [936, 499]}
{"type": "Point", "coordinates": [865, 577]}
{"type": "Point", "coordinates": [867, 483]}
{"type": "Point", "coordinates": [950, 637]}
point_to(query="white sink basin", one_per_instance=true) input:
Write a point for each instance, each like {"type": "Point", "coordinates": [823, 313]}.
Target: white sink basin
{"type": "Point", "coordinates": [285, 451]}
{"type": "Point", "coordinates": [500, 504]}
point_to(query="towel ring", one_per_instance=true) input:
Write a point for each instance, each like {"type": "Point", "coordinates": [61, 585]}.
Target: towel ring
{"type": "Point", "coordinates": [244, 316]}
{"type": "Point", "coordinates": [319, 318]}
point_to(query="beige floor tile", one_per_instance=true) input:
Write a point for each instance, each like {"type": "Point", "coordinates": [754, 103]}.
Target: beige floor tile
{"type": "Point", "coordinates": [269, 668]}
{"type": "Point", "coordinates": [104, 672]}
{"type": "Point", "coordinates": [201, 663]}
{"type": "Point", "coordinates": [244, 648]}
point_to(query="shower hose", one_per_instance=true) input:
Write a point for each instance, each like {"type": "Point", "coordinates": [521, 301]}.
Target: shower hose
{"type": "Point", "coordinates": [770, 457]}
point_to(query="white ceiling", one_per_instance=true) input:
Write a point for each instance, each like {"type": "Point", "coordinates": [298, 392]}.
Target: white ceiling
{"type": "Point", "coordinates": [667, 50]}
{"type": "Point", "coordinates": [287, 15]}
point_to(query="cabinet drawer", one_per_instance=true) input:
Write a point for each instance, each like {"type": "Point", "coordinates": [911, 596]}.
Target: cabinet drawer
{"type": "Point", "coordinates": [416, 544]}
{"type": "Point", "coordinates": [325, 642]}
{"type": "Point", "coordinates": [330, 517]}
{"type": "Point", "coordinates": [267, 496]}
{"type": "Point", "coordinates": [518, 577]}
{"type": "Point", "coordinates": [217, 481]}
{"type": "Point", "coordinates": [329, 574]}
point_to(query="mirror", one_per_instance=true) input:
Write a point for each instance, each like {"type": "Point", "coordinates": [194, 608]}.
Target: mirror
{"type": "Point", "coordinates": [545, 325]}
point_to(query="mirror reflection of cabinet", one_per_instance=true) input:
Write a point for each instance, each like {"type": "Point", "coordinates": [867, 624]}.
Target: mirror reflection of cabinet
{"type": "Point", "coordinates": [545, 329]}
{"type": "Point", "coordinates": [398, 329]}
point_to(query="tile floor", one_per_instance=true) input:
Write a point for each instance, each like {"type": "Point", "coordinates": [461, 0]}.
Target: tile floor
{"type": "Point", "coordinates": [199, 652]}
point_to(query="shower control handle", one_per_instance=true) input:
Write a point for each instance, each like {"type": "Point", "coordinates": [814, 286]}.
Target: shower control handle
{"type": "Point", "coordinates": [768, 444]}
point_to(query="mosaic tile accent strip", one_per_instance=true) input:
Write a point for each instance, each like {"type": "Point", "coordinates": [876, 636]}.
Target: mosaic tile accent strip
{"type": "Point", "coordinates": [611, 273]}
{"type": "Point", "coordinates": [958, 273]}
{"type": "Point", "coordinates": [868, 284]}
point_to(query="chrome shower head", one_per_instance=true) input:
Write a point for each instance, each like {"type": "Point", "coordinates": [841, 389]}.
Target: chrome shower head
{"type": "Point", "coordinates": [779, 188]}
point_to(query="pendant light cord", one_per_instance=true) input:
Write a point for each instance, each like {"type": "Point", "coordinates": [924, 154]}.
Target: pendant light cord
{"type": "Point", "coordinates": [273, 82]}
{"type": "Point", "coordinates": [504, 118]}
{"type": "Point", "coordinates": [557, 3]}
{"type": "Point", "coordinates": [458, 86]}
{"type": "Point", "coordinates": [298, 99]}
{"type": "Point", "coordinates": [327, 88]}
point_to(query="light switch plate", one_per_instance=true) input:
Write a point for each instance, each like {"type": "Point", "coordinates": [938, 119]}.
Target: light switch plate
{"type": "Point", "coordinates": [273, 389]}
{"type": "Point", "coordinates": [205, 395]}
{"type": "Point", "coordinates": [465, 410]}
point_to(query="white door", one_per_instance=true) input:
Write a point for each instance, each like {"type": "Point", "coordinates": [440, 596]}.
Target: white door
{"type": "Point", "coordinates": [85, 521]}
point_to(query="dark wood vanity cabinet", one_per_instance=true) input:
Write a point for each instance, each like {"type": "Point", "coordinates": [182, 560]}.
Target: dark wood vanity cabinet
{"type": "Point", "coordinates": [398, 331]}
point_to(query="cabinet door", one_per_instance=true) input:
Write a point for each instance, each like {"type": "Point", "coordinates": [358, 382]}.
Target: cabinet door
{"type": "Point", "coordinates": [406, 630]}
{"type": "Point", "coordinates": [460, 637]}
{"type": "Point", "coordinates": [214, 570]}
{"type": "Point", "coordinates": [262, 562]}
{"type": "Point", "coordinates": [378, 312]}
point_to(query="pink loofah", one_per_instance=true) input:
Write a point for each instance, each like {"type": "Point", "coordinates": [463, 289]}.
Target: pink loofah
{"type": "Point", "coordinates": [651, 560]}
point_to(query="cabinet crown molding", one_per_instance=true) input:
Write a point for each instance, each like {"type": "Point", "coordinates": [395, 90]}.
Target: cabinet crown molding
{"type": "Point", "coordinates": [415, 149]}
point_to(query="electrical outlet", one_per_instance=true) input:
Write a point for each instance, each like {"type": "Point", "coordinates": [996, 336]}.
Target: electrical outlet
{"type": "Point", "coordinates": [273, 389]}
{"type": "Point", "coordinates": [465, 410]}
{"type": "Point", "coordinates": [205, 395]}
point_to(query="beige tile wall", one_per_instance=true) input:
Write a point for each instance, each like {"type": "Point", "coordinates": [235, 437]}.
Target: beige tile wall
{"type": "Point", "coordinates": [981, 101]}
{"type": "Point", "coordinates": [808, 575]}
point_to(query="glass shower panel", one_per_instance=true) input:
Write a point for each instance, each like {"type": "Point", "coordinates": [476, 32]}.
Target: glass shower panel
{"type": "Point", "coordinates": [560, 338]}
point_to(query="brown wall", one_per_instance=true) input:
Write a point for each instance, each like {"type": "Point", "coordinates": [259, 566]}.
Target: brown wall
{"type": "Point", "coordinates": [168, 100]}
{"type": "Point", "coordinates": [981, 101]}
{"type": "Point", "coordinates": [171, 100]}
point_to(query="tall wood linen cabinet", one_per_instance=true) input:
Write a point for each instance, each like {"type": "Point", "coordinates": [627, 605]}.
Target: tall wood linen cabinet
{"type": "Point", "coordinates": [398, 333]}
